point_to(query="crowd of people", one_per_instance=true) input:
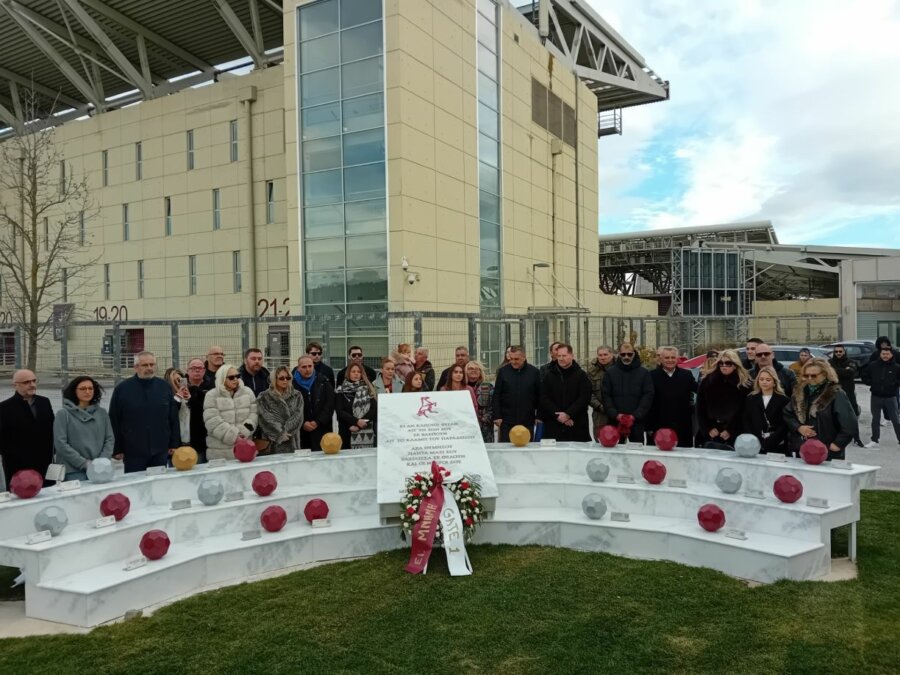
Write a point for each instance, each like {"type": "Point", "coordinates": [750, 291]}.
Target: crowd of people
{"type": "Point", "coordinates": [213, 403]}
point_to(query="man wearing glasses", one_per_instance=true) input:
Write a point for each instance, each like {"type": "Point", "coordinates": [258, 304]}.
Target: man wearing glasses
{"type": "Point", "coordinates": [197, 387]}
{"type": "Point", "coordinates": [26, 428]}
{"type": "Point", "coordinates": [628, 390]}
{"type": "Point", "coordinates": [323, 370]}
{"type": "Point", "coordinates": [356, 356]}
{"type": "Point", "coordinates": [766, 357]}
{"type": "Point", "coordinates": [846, 370]}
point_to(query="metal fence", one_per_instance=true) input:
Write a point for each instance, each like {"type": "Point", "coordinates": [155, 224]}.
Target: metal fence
{"type": "Point", "coordinates": [107, 349]}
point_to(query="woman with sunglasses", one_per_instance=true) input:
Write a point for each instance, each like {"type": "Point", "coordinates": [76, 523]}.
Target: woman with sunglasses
{"type": "Point", "coordinates": [764, 412]}
{"type": "Point", "coordinates": [820, 409]}
{"type": "Point", "coordinates": [720, 401]}
{"type": "Point", "coordinates": [281, 412]}
{"type": "Point", "coordinates": [229, 413]}
{"type": "Point", "coordinates": [182, 397]}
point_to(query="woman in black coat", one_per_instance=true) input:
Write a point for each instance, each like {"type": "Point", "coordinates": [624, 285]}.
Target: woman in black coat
{"type": "Point", "coordinates": [356, 409]}
{"type": "Point", "coordinates": [720, 401]}
{"type": "Point", "coordinates": [764, 412]}
{"type": "Point", "coordinates": [820, 409]}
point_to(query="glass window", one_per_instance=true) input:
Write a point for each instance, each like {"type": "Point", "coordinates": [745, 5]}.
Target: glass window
{"type": "Point", "coordinates": [325, 254]}
{"type": "Point", "coordinates": [487, 33]}
{"type": "Point", "coordinates": [319, 87]}
{"type": "Point", "coordinates": [489, 206]}
{"type": "Point", "coordinates": [487, 7]}
{"type": "Point", "coordinates": [324, 221]}
{"type": "Point", "coordinates": [354, 12]}
{"type": "Point", "coordinates": [270, 202]}
{"type": "Point", "coordinates": [236, 282]}
{"type": "Point", "coordinates": [233, 139]}
{"type": "Point", "coordinates": [322, 154]}
{"type": "Point", "coordinates": [367, 216]}
{"type": "Point", "coordinates": [488, 178]}
{"type": "Point", "coordinates": [487, 91]}
{"type": "Point", "coordinates": [358, 43]}
{"type": "Point", "coordinates": [323, 120]}
{"type": "Point", "coordinates": [490, 236]}
{"type": "Point", "coordinates": [488, 150]}
{"type": "Point", "coordinates": [490, 264]}
{"type": "Point", "coordinates": [364, 147]}
{"type": "Point", "coordinates": [487, 121]}
{"type": "Point", "coordinates": [490, 292]}
{"type": "Point", "coordinates": [322, 188]}
{"type": "Point", "coordinates": [364, 112]}
{"type": "Point", "coordinates": [320, 53]}
{"type": "Point", "coordinates": [367, 285]}
{"type": "Point", "coordinates": [487, 62]}
{"type": "Point", "coordinates": [364, 182]}
{"type": "Point", "coordinates": [318, 19]}
{"type": "Point", "coordinates": [359, 322]}
{"type": "Point", "coordinates": [361, 77]}
{"type": "Point", "coordinates": [367, 251]}
{"type": "Point", "coordinates": [325, 287]}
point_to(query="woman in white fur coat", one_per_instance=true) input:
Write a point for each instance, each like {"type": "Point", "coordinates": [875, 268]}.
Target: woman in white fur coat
{"type": "Point", "coordinates": [229, 412]}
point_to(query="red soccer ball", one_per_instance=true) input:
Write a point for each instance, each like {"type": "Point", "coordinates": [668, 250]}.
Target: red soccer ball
{"type": "Point", "coordinates": [711, 517]}
{"type": "Point", "coordinates": [608, 436]}
{"type": "Point", "coordinates": [116, 504]}
{"type": "Point", "coordinates": [26, 483]}
{"type": "Point", "coordinates": [813, 451]}
{"type": "Point", "coordinates": [316, 509]}
{"type": "Point", "coordinates": [155, 544]}
{"type": "Point", "coordinates": [654, 472]}
{"type": "Point", "coordinates": [788, 489]}
{"type": "Point", "coordinates": [665, 439]}
{"type": "Point", "coordinates": [264, 483]}
{"type": "Point", "coordinates": [273, 518]}
{"type": "Point", "coordinates": [244, 450]}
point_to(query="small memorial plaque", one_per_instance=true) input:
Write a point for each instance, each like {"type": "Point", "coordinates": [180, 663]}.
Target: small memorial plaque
{"type": "Point", "coordinates": [68, 485]}
{"type": "Point", "coordinates": [38, 537]}
{"type": "Point", "coordinates": [634, 445]}
{"type": "Point", "coordinates": [235, 496]}
{"type": "Point", "coordinates": [548, 442]}
{"type": "Point", "coordinates": [134, 563]}
{"type": "Point", "coordinates": [5, 496]}
{"type": "Point", "coordinates": [56, 472]}
{"type": "Point", "coordinates": [817, 502]}
{"type": "Point", "coordinates": [303, 452]}
{"type": "Point", "coordinates": [841, 464]}
{"type": "Point", "coordinates": [155, 470]}
{"type": "Point", "coordinates": [735, 533]}
{"type": "Point", "coordinates": [624, 478]}
{"type": "Point", "coordinates": [754, 493]}
{"type": "Point", "coordinates": [776, 457]}
{"type": "Point", "coordinates": [677, 483]}
{"type": "Point", "coordinates": [104, 521]}
{"type": "Point", "coordinates": [321, 522]}
{"type": "Point", "coordinates": [247, 535]}
{"type": "Point", "coordinates": [179, 504]}
{"type": "Point", "coordinates": [213, 463]}
{"type": "Point", "coordinates": [620, 516]}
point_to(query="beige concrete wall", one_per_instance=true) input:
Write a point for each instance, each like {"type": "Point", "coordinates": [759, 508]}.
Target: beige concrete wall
{"type": "Point", "coordinates": [622, 305]}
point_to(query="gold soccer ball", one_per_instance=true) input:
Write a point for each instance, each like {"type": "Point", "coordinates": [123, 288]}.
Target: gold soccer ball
{"type": "Point", "coordinates": [184, 458]}
{"type": "Point", "coordinates": [331, 443]}
{"type": "Point", "coordinates": [519, 436]}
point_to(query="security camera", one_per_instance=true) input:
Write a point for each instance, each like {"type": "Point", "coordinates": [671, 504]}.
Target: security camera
{"type": "Point", "coordinates": [412, 278]}
{"type": "Point", "coordinates": [404, 263]}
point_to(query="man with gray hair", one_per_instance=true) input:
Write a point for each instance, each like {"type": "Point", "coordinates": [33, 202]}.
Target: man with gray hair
{"type": "Point", "coordinates": [26, 428]}
{"type": "Point", "coordinates": [423, 365]}
{"type": "Point", "coordinates": [596, 371]}
{"type": "Point", "coordinates": [673, 394]}
{"type": "Point", "coordinates": [144, 417]}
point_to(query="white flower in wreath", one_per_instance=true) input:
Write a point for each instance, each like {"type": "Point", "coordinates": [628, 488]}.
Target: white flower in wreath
{"type": "Point", "coordinates": [415, 516]}
{"type": "Point", "coordinates": [427, 494]}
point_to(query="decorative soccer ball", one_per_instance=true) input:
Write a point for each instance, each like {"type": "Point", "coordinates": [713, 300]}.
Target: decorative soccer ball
{"type": "Point", "coordinates": [51, 518]}
{"type": "Point", "coordinates": [729, 480]}
{"type": "Point", "coordinates": [244, 450]}
{"type": "Point", "coordinates": [594, 506]}
{"type": "Point", "coordinates": [154, 544]}
{"type": "Point", "coordinates": [519, 436]}
{"type": "Point", "coordinates": [813, 451]}
{"type": "Point", "coordinates": [746, 445]}
{"type": "Point", "coordinates": [26, 483]}
{"type": "Point", "coordinates": [597, 470]}
{"type": "Point", "coordinates": [788, 489]}
{"type": "Point", "coordinates": [184, 458]}
{"type": "Point", "coordinates": [100, 470]}
{"type": "Point", "coordinates": [653, 472]}
{"type": "Point", "coordinates": [210, 491]}
{"type": "Point", "coordinates": [608, 436]}
{"type": "Point", "coordinates": [116, 504]}
{"type": "Point", "coordinates": [316, 509]}
{"type": "Point", "coordinates": [331, 443]}
{"type": "Point", "coordinates": [264, 483]}
{"type": "Point", "coordinates": [665, 439]}
{"type": "Point", "coordinates": [711, 517]}
{"type": "Point", "coordinates": [273, 518]}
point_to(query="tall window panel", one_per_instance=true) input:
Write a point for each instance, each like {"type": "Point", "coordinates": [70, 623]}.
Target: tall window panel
{"type": "Point", "coordinates": [82, 229]}
{"type": "Point", "coordinates": [270, 202]}
{"type": "Point", "coordinates": [106, 281]}
{"type": "Point", "coordinates": [138, 161]}
{"type": "Point", "coordinates": [233, 140]}
{"type": "Point", "coordinates": [216, 209]}
{"type": "Point", "coordinates": [236, 271]}
{"type": "Point", "coordinates": [140, 278]}
{"type": "Point", "coordinates": [167, 211]}
{"type": "Point", "coordinates": [126, 223]}
{"type": "Point", "coordinates": [342, 167]}
{"type": "Point", "coordinates": [192, 275]}
{"type": "Point", "coordinates": [189, 140]}
{"type": "Point", "coordinates": [104, 166]}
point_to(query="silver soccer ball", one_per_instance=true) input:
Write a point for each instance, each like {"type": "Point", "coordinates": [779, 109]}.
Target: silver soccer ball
{"type": "Point", "coordinates": [594, 506]}
{"type": "Point", "coordinates": [597, 470]}
{"type": "Point", "coordinates": [51, 518]}
{"type": "Point", "coordinates": [746, 445]}
{"type": "Point", "coordinates": [728, 480]}
{"type": "Point", "coordinates": [100, 470]}
{"type": "Point", "coordinates": [210, 491]}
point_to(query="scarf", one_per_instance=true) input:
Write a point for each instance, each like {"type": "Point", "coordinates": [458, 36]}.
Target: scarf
{"type": "Point", "coordinates": [305, 383]}
{"type": "Point", "coordinates": [359, 396]}
{"type": "Point", "coordinates": [812, 390]}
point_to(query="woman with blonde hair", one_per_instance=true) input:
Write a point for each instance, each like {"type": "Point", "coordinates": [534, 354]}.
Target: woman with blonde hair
{"type": "Point", "coordinates": [356, 409]}
{"type": "Point", "coordinates": [819, 408]}
{"type": "Point", "coordinates": [720, 401]}
{"type": "Point", "coordinates": [484, 399]}
{"type": "Point", "coordinates": [712, 358]}
{"type": "Point", "coordinates": [229, 413]}
{"type": "Point", "coordinates": [281, 412]}
{"type": "Point", "coordinates": [764, 412]}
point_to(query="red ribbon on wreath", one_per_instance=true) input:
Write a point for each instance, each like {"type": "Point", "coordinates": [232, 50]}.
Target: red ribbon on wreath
{"type": "Point", "coordinates": [426, 527]}
{"type": "Point", "coordinates": [625, 424]}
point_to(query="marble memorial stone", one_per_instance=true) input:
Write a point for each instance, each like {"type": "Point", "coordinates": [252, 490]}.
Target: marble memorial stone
{"type": "Point", "coordinates": [210, 491]}
{"type": "Point", "coordinates": [746, 445]}
{"type": "Point", "coordinates": [52, 519]}
{"type": "Point", "coordinates": [100, 470]}
{"type": "Point", "coordinates": [729, 480]}
{"type": "Point", "coordinates": [597, 470]}
{"type": "Point", "coordinates": [594, 506]}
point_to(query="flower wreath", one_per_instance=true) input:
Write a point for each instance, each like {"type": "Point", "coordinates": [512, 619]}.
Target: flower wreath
{"type": "Point", "coordinates": [467, 491]}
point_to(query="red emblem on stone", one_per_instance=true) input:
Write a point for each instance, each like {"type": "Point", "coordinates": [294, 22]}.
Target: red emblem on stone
{"type": "Point", "coordinates": [155, 544]}
{"type": "Point", "coordinates": [26, 483]}
{"type": "Point", "coordinates": [653, 472]}
{"type": "Point", "coordinates": [608, 436]}
{"type": "Point", "coordinates": [273, 518]}
{"type": "Point", "coordinates": [244, 450]}
{"type": "Point", "coordinates": [264, 483]}
{"type": "Point", "coordinates": [788, 489]}
{"type": "Point", "coordinates": [711, 517]}
{"type": "Point", "coordinates": [813, 451]}
{"type": "Point", "coordinates": [665, 439]}
{"type": "Point", "coordinates": [316, 509]}
{"type": "Point", "coordinates": [116, 505]}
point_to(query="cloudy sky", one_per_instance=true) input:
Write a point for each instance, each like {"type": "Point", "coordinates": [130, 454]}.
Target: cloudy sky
{"type": "Point", "coordinates": [781, 110]}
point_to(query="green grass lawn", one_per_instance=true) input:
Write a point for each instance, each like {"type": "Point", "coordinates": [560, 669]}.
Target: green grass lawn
{"type": "Point", "coordinates": [525, 610]}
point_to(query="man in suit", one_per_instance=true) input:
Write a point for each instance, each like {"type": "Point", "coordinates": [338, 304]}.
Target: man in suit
{"type": "Point", "coordinates": [26, 428]}
{"type": "Point", "coordinates": [673, 393]}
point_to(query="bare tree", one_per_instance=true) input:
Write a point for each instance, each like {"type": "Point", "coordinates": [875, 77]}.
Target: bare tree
{"type": "Point", "coordinates": [44, 214]}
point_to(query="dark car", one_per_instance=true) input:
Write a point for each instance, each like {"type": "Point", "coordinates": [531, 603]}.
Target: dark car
{"type": "Point", "coordinates": [787, 354]}
{"type": "Point", "coordinates": [858, 351]}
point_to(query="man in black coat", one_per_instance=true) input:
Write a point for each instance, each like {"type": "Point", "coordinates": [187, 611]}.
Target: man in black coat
{"type": "Point", "coordinates": [197, 386]}
{"type": "Point", "coordinates": [318, 403]}
{"type": "Point", "coordinates": [144, 417]}
{"type": "Point", "coordinates": [253, 374]}
{"type": "Point", "coordinates": [847, 371]}
{"type": "Point", "coordinates": [883, 378]}
{"type": "Point", "coordinates": [26, 428]}
{"type": "Point", "coordinates": [517, 391]}
{"type": "Point", "coordinates": [356, 356]}
{"type": "Point", "coordinates": [314, 349]}
{"type": "Point", "coordinates": [460, 358]}
{"type": "Point", "coordinates": [565, 396]}
{"type": "Point", "coordinates": [673, 391]}
{"type": "Point", "coordinates": [628, 390]}
{"type": "Point", "coordinates": [766, 357]}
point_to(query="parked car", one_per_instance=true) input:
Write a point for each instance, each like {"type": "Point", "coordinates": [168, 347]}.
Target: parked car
{"type": "Point", "coordinates": [858, 351]}
{"type": "Point", "coordinates": [787, 354]}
